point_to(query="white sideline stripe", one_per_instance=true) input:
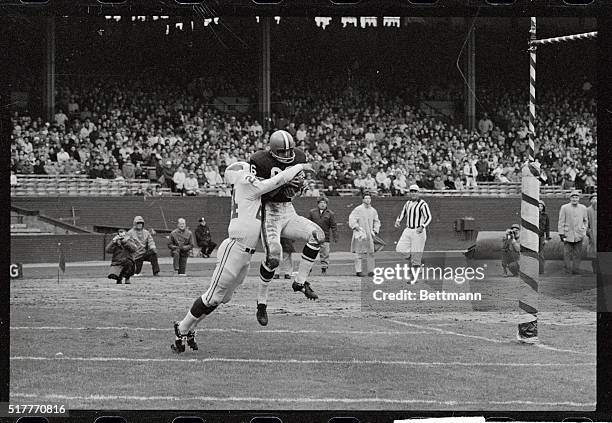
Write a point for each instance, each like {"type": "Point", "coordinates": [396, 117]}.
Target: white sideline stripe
{"type": "Point", "coordinates": [294, 361]}
{"type": "Point", "coordinates": [229, 330]}
{"type": "Point", "coordinates": [495, 341]}
{"type": "Point", "coordinates": [293, 400]}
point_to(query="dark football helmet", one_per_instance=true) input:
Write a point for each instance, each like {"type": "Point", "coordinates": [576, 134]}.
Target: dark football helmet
{"type": "Point", "coordinates": [281, 146]}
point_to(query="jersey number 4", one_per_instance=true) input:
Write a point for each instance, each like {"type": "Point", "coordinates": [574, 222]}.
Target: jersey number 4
{"type": "Point", "coordinates": [234, 207]}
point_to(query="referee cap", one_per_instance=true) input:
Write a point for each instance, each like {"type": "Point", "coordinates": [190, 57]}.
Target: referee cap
{"type": "Point", "coordinates": [575, 193]}
{"type": "Point", "coordinates": [414, 187]}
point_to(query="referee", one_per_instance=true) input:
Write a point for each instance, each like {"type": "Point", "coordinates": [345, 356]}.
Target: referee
{"type": "Point", "coordinates": [418, 217]}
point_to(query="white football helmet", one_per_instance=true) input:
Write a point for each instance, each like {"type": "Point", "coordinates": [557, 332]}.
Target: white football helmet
{"type": "Point", "coordinates": [233, 171]}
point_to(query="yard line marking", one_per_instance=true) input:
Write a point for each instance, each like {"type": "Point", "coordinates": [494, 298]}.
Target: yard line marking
{"type": "Point", "coordinates": [295, 361]}
{"type": "Point", "coordinates": [551, 348]}
{"type": "Point", "coordinates": [113, 300]}
{"type": "Point", "coordinates": [294, 400]}
{"type": "Point", "coordinates": [540, 323]}
{"type": "Point", "coordinates": [496, 341]}
{"type": "Point", "coordinates": [227, 330]}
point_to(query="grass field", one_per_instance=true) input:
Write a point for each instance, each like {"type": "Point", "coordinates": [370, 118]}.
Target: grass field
{"type": "Point", "coordinates": [89, 343]}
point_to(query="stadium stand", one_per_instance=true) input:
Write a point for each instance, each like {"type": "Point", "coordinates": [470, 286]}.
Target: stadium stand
{"type": "Point", "coordinates": [397, 147]}
{"type": "Point", "coordinates": [400, 127]}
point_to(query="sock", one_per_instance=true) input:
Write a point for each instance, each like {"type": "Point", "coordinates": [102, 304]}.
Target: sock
{"type": "Point", "coordinates": [309, 255]}
{"type": "Point", "coordinates": [262, 293]}
{"type": "Point", "coordinates": [198, 311]}
{"type": "Point", "coordinates": [187, 322]}
{"type": "Point", "coordinates": [265, 273]}
{"type": "Point", "coordinates": [358, 264]}
{"type": "Point", "coordinates": [265, 276]}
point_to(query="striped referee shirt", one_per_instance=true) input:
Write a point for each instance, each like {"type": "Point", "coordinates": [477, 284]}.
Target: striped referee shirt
{"type": "Point", "coordinates": [417, 214]}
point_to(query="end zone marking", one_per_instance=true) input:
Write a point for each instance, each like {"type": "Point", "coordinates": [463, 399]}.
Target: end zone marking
{"type": "Point", "coordinates": [295, 400]}
{"type": "Point", "coordinates": [482, 338]}
{"type": "Point", "coordinates": [295, 361]}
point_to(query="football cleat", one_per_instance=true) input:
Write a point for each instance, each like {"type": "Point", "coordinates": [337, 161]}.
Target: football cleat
{"type": "Point", "coordinates": [191, 340]}
{"type": "Point", "coordinates": [178, 346]}
{"type": "Point", "coordinates": [306, 289]}
{"type": "Point", "coordinates": [281, 146]}
{"type": "Point", "coordinates": [527, 333]}
{"type": "Point", "coordinates": [262, 314]}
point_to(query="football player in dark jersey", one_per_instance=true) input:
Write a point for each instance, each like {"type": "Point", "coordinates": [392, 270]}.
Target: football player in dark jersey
{"type": "Point", "coordinates": [280, 219]}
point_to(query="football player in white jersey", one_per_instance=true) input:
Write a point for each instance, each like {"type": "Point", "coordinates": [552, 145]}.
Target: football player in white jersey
{"type": "Point", "coordinates": [234, 253]}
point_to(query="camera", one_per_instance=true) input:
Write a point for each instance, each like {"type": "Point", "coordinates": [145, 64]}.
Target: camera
{"type": "Point", "coordinates": [510, 233]}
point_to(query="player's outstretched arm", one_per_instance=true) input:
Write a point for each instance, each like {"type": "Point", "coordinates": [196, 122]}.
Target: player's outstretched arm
{"type": "Point", "coordinates": [280, 179]}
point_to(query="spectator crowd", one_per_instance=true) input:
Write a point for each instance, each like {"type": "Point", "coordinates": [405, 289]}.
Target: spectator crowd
{"type": "Point", "coordinates": [356, 134]}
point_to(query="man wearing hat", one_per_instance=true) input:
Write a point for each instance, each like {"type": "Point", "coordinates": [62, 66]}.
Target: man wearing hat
{"type": "Point", "coordinates": [418, 217]}
{"type": "Point", "coordinates": [203, 238]}
{"type": "Point", "coordinates": [122, 249]}
{"type": "Point", "coordinates": [573, 224]}
{"type": "Point", "coordinates": [146, 249]}
{"type": "Point", "coordinates": [365, 224]}
{"type": "Point", "coordinates": [326, 219]}
{"type": "Point", "coordinates": [592, 230]}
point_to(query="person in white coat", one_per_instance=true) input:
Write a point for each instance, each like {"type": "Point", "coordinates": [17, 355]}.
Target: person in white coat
{"type": "Point", "coordinates": [573, 225]}
{"type": "Point", "coordinates": [418, 217]}
{"type": "Point", "coordinates": [365, 224]}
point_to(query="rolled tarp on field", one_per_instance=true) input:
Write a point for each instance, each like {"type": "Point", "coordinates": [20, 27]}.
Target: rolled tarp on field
{"type": "Point", "coordinates": [489, 246]}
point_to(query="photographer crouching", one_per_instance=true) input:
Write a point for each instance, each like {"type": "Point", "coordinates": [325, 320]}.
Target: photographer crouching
{"type": "Point", "coordinates": [122, 248]}
{"type": "Point", "coordinates": [511, 250]}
